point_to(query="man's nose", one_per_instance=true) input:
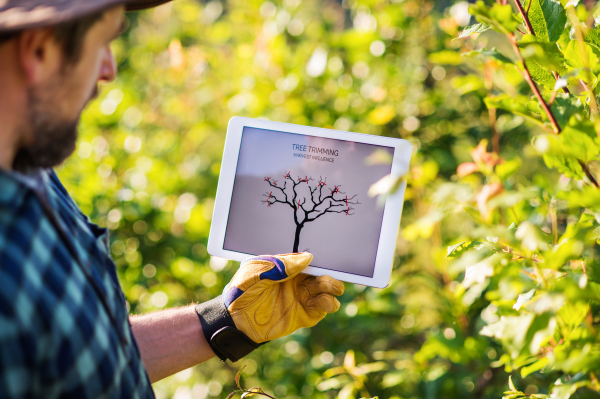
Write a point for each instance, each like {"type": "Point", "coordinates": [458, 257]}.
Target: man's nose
{"type": "Point", "coordinates": [108, 68]}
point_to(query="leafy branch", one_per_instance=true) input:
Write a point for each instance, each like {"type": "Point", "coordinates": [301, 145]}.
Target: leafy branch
{"type": "Point", "coordinates": [550, 23]}
{"type": "Point", "coordinates": [246, 393]}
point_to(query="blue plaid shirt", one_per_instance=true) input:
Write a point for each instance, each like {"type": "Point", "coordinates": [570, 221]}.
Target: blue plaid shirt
{"type": "Point", "coordinates": [64, 327]}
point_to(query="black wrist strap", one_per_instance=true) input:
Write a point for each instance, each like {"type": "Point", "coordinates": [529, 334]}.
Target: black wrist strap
{"type": "Point", "coordinates": [221, 333]}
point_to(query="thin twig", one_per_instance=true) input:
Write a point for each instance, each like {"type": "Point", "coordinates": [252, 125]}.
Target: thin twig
{"type": "Point", "coordinates": [593, 105]}
{"type": "Point", "coordinates": [527, 76]}
{"type": "Point", "coordinates": [587, 172]}
{"type": "Point", "coordinates": [554, 220]}
{"type": "Point", "coordinates": [534, 88]}
{"type": "Point", "coordinates": [492, 113]}
{"type": "Point", "coordinates": [525, 17]}
{"type": "Point", "coordinates": [557, 76]}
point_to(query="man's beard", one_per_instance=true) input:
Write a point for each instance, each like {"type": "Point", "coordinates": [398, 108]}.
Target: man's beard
{"type": "Point", "coordinates": [54, 139]}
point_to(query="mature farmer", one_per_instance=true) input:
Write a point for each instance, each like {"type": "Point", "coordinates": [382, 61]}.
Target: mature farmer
{"type": "Point", "coordinates": [64, 327]}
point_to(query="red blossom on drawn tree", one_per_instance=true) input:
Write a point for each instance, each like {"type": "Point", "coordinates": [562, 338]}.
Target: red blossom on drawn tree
{"type": "Point", "coordinates": [310, 207]}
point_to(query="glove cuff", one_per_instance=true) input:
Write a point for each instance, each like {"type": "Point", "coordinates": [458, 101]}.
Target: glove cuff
{"type": "Point", "coordinates": [221, 333]}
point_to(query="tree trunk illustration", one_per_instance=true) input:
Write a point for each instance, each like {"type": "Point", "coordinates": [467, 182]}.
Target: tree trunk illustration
{"type": "Point", "coordinates": [311, 206]}
{"type": "Point", "coordinates": [297, 237]}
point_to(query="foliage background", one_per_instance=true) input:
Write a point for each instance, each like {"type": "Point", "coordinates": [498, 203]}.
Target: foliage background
{"type": "Point", "coordinates": [148, 161]}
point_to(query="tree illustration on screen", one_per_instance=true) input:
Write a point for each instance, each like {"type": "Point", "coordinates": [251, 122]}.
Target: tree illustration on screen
{"type": "Point", "coordinates": [309, 201]}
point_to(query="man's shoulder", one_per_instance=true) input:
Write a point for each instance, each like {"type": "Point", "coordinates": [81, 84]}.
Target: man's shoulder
{"type": "Point", "coordinates": [21, 217]}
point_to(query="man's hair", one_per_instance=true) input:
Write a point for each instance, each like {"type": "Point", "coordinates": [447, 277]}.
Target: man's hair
{"type": "Point", "coordinates": [69, 35]}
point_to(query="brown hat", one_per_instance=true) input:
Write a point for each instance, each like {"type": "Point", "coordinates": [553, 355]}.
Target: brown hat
{"type": "Point", "coordinates": [23, 14]}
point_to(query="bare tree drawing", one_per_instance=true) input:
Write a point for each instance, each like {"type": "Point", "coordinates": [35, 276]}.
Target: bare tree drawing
{"type": "Point", "coordinates": [309, 201]}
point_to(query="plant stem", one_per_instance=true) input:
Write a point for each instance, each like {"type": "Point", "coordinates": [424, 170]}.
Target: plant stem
{"type": "Point", "coordinates": [587, 172]}
{"type": "Point", "coordinates": [557, 76]}
{"type": "Point", "coordinates": [525, 17]}
{"type": "Point", "coordinates": [590, 78]}
{"type": "Point", "coordinates": [554, 220]}
{"type": "Point", "coordinates": [555, 126]}
{"type": "Point", "coordinates": [527, 76]}
{"type": "Point", "coordinates": [492, 113]}
{"type": "Point", "coordinates": [531, 32]}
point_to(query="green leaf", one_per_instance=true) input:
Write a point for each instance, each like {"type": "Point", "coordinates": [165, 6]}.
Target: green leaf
{"type": "Point", "coordinates": [252, 392]}
{"type": "Point", "coordinates": [516, 105]}
{"type": "Point", "coordinates": [499, 17]}
{"type": "Point", "coordinates": [511, 385]}
{"type": "Point", "coordinates": [447, 57]}
{"type": "Point", "coordinates": [477, 28]}
{"type": "Point", "coordinates": [565, 165]}
{"type": "Point", "coordinates": [540, 75]}
{"type": "Point", "coordinates": [555, 157]}
{"type": "Point", "coordinates": [564, 107]}
{"type": "Point", "coordinates": [537, 366]}
{"type": "Point", "coordinates": [588, 197]}
{"type": "Point", "coordinates": [573, 56]}
{"type": "Point", "coordinates": [574, 313]}
{"type": "Point", "coordinates": [493, 53]}
{"type": "Point", "coordinates": [511, 331]}
{"type": "Point", "coordinates": [505, 16]}
{"type": "Point", "coordinates": [547, 17]}
{"type": "Point", "coordinates": [565, 391]}
{"type": "Point", "coordinates": [579, 141]}
{"type": "Point", "coordinates": [508, 168]}
{"type": "Point", "coordinates": [547, 55]}
{"type": "Point", "coordinates": [467, 84]}
{"type": "Point", "coordinates": [593, 37]}
{"type": "Point", "coordinates": [523, 299]}
{"type": "Point", "coordinates": [454, 251]}
{"type": "Point", "coordinates": [565, 38]}
{"type": "Point", "coordinates": [593, 271]}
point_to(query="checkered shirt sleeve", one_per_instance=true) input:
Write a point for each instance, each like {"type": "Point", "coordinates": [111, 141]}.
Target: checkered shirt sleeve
{"type": "Point", "coordinates": [64, 327]}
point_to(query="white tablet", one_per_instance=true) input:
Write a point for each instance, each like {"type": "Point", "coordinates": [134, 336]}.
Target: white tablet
{"type": "Point", "coordinates": [288, 188]}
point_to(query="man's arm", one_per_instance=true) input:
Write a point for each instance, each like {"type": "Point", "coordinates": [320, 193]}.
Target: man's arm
{"type": "Point", "coordinates": [267, 298]}
{"type": "Point", "coordinates": [170, 341]}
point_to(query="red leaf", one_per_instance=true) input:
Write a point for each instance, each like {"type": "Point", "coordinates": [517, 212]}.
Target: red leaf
{"type": "Point", "coordinates": [237, 377]}
{"type": "Point", "coordinates": [488, 191]}
{"type": "Point", "coordinates": [480, 155]}
{"type": "Point", "coordinates": [466, 168]}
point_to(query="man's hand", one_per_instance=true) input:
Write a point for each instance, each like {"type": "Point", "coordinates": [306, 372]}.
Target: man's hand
{"type": "Point", "coordinates": [268, 298]}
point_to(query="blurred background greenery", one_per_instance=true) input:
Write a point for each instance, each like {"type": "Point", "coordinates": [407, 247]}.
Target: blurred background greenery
{"type": "Point", "coordinates": [148, 160]}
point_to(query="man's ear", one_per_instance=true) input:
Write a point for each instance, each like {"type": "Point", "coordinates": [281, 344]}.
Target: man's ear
{"type": "Point", "coordinates": [39, 55]}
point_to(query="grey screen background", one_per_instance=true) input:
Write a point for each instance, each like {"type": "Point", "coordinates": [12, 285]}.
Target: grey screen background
{"type": "Point", "coordinates": [346, 243]}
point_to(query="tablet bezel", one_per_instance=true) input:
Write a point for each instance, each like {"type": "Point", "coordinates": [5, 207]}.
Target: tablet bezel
{"type": "Point", "coordinates": [391, 213]}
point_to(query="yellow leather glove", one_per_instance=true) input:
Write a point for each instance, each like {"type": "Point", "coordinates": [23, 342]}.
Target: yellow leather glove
{"type": "Point", "coordinates": [267, 298]}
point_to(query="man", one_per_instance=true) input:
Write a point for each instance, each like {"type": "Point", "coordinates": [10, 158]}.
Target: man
{"type": "Point", "coordinates": [64, 328]}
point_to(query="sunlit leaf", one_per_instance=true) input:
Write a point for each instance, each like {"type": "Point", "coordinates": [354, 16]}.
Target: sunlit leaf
{"type": "Point", "coordinates": [477, 28]}
{"type": "Point", "coordinates": [456, 250]}
{"type": "Point", "coordinates": [493, 54]}
{"type": "Point", "coordinates": [547, 17]}
{"type": "Point", "coordinates": [573, 55]}
{"type": "Point", "coordinates": [252, 392]}
{"type": "Point", "coordinates": [547, 55]}
{"type": "Point", "coordinates": [446, 57]}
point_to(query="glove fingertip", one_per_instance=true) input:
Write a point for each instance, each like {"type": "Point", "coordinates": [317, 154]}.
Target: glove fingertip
{"type": "Point", "coordinates": [295, 263]}
{"type": "Point", "coordinates": [337, 304]}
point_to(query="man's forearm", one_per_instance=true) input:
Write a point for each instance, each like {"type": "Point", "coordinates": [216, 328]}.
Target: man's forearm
{"type": "Point", "coordinates": [170, 341]}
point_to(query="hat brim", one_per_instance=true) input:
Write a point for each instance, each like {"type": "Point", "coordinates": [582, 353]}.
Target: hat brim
{"type": "Point", "coordinates": [134, 5]}
{"type": "Point", "coordinates": [33, 14]}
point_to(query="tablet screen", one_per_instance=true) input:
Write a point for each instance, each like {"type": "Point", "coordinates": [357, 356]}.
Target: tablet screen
{"type": "Point", "coordinates": [295, 193]}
